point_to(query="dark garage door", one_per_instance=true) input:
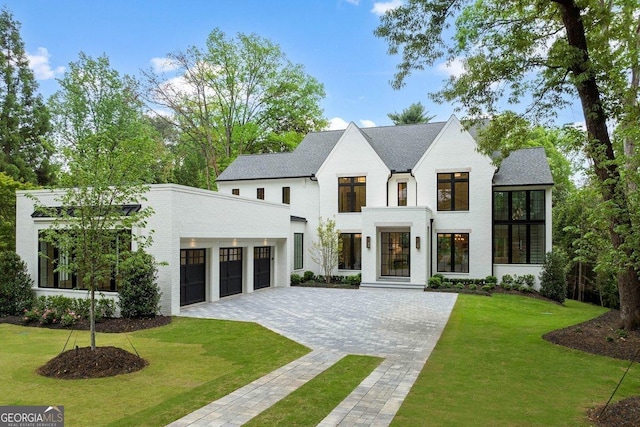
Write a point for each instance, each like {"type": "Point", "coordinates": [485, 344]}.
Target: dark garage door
{"type": "Point", "coordinates": [261, 267]}
{"type": "Point", "coordinates": [192, 276]}
{"type": "Point", "coordinates": [230, 271]}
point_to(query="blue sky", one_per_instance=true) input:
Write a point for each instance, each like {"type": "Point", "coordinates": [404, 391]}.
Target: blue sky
{"type": "Point", "coordinates": [332, 39]}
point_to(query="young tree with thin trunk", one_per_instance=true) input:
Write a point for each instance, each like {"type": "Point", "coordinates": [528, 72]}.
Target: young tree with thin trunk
{"type": "Point", "coordinates": [108, 151]}
{"type": "Point", "coordinates": [326, 250]}
{"type": "Point", "coordinates": [549, 53]}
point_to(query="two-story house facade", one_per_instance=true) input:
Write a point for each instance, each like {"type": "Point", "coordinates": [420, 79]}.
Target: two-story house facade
{"type": "Point", "coordinates": [409, 201]}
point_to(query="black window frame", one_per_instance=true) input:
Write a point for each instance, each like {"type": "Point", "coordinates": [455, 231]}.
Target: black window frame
{"type": "Point", "coordinates": [402, 194]}
{"type": "Point", "coordinates": [352, 251]}
{"type": "Point", "coordinates": [519, 216]}
{"type": "Point", "coordinates": [286, 195]}
{"type": "Point", "coordinates": [355, 191]}
{"type": "Point", "coordinates": [298, 251]}
{"type": "Point", "coordinates": [260, 193]}
{"type": "Point", "coordinates": [453, 255]}
{"type": "Point", "coordinates": [455, 183]}
{"type": "Point", "coordinates": [235, 191]}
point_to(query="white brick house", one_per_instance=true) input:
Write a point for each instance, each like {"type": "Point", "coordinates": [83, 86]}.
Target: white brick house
{"type": "Point", "coordinates": [410, 201]}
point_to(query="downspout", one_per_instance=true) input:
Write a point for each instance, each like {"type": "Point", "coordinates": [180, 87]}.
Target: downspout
{"type": "Point", "coordinates": [431, 249]}
{"type": "Point", "coordinates": [391, 172]}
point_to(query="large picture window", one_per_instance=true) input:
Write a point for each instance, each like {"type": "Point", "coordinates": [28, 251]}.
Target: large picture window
{"type": "Point", "coordinates": [394, 254]}
{"type": "Point", "coordinates": [519, 227]}
{"type": "Point", "coordinates": [298, 251]}
{"type": "Point", "coordinates": [453, 252]}
{"type": "Point", "coordinates": [453, 191]}
{"type": "Point", "coordinates": [53, 257]}
{"type": "Point", "coordinates": [352, 193]}
{"type": "Point", "coordinates": [351, 257]}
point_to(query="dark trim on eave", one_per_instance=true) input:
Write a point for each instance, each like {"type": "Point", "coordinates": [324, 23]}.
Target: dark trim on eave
{"type": "Point", "coordinates": [260, 179]}
{"type": "Point", "coordinates": [294, 218]}
{"type": "Point", "coordinates": [522, 185]}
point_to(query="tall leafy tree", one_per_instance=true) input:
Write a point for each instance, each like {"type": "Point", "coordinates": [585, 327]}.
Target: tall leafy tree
{"type": "Point", "coordinates": [8, 187]}
{"type": "Point", "coordinates": [108, 150]}
{"type": "Point", "coordinates": [413, 114]}
{"type": "Point", "coordinates": [24, 120]}
{"type": "Point", "coordinates": [236, 96]}
{"type": "Point", "coordinates": [546, 52]}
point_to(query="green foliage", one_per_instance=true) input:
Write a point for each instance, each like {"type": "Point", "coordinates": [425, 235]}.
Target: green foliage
{"type": "Point", "coordinates": [16, 293]}
{"type": "Point", "coordinates": [435, 282]}
{"type": "Point", "coordinates": [67, 311]}
{"type": "Point", "coordinates": [25, 155]}
{"type": "Point", "coordinates": [487, 288]}
{"type": "Point", "coordinates": [308, 276]}
{"type": "Point", "coordinates": [256, 101]}
{"type": "Point", "coordinates": [8, 187]}
{"type": "Point", "coordinates": [138, 291]}
{"type": "Point", "coordinates": [553, 279]}
{"type": "Point", "coordinates": [295, 279]}
{"type": "Point", "coordinates": [473, 287]}
{"type": "Point", "coordinates": [507, 279]}
{"type": "Point", "coordinates": [354, 279]}
{"type": "Point", "coordinates": [414, 114]}
{"type": "Point", "coordinates": [326, 250]}
{"type": "Point", "coordinates": [491, 279]}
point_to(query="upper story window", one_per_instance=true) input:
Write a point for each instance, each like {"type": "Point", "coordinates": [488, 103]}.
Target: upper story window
{"type": "Point", "coordinates": [453, 191]}
{"type": "Point", "coordinates": [235, 191]}
{"type": "Point", "coordinates": [286, 195]}
{"type": "Point", "coordinates": [260, 193]}
{"type": "Point", "coordinates": [352, 193]}
{"type": "Point", "coordinates": [519, 227]}
{"type": "Point", "coordinates": [402, 194]}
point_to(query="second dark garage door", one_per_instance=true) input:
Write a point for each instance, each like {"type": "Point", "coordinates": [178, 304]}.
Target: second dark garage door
{"type": "Point", "coordinates": [230, 271]}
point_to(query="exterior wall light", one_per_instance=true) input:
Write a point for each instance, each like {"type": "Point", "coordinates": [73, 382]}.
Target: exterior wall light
{"type": "Point", "coordinates": [368, 242]}
{"type": "Point", "coordinates": [417, 242]}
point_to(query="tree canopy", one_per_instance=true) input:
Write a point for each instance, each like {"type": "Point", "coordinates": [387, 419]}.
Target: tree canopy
{"type": "Point", "coordinates": [24, 120]}
{"type": "Point", "coordinates": [236, 96]}
{"type": "Point", "coordinates": [544, 54]}
{"type": "Point", "coordinates": [413, 114]}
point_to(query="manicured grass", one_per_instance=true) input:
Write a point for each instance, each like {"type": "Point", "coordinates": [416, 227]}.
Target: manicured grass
{"type": "Point", "coordinates": [192, 362]}
{"type": "Point", "coordinates": [312, 402]}
{"type": "Point", "coordinates": [492, 368]}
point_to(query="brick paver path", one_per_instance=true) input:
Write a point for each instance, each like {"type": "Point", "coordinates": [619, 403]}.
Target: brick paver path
{"type": "Point", "coordinates": [402, 326]}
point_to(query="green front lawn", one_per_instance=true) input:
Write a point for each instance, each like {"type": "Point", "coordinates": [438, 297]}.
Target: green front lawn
{"type": "Point", "coordinates": [192, 363]}
{"type": "Point", "coordinates": [492, 368]}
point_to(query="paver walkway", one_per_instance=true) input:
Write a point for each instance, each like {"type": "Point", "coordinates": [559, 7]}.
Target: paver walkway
{"type": "Point", "coordinates": [403, 326]}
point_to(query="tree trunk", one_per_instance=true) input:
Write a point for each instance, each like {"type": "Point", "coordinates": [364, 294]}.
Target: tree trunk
{"type": "Point", "coordinates": [92, 318]}
{"type": "Point", "coordinates": [600, 149]}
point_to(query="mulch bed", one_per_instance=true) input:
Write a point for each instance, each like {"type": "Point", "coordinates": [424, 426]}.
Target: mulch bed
{"type": "Point", "coordinates": [103, 361]}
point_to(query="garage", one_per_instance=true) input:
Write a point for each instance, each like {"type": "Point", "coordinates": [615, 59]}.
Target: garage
{"type": "Point", "coordinates": [261, 267]}
{"type": "Point", "coordinates": [230, 271]}
{"type": "Point", "coordinates": [192, 276]}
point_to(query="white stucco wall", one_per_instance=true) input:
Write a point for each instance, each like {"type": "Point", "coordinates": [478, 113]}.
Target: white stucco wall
{"type": "Point", "coordinates": [455, 151]}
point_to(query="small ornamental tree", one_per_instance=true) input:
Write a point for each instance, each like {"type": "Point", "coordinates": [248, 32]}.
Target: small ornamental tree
{"type": "Point", "coordinates": [16, 293]}
{"type": "Point", "coordinates": [553, 279]}
{"type": "Point", "coordinates": [138, 291]}
{"type": "Point", "coordinates": [327, 249]}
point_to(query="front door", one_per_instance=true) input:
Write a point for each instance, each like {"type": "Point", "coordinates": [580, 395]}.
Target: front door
{"type": "Point", "coordinates": [230, 271]}
{"type": "Point", "coordinates": [261, 267]}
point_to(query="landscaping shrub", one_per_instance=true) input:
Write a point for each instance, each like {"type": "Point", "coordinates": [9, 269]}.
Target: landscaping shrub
{"type": "Point", "coordinates": [507, 280]}
{"type": "Point", "coordinates": [296, 279]}
{"type": "Point", "coordinates": [473, 287]}
{"type": "Point", "coordinates": [354, 280]}
{"type": "Point", "coordinates": [308, 276]}
{"type": "Point", "coordinates": [66, 311]}
{"type": "Point", "coordinates": [16, 294]}
{"type": "Point", "coordinates": [487, 288]}
{"type": "Point", "coordinates": [435, 282]}
{"type": "Point", "coordinates": [553, 278]}
{"type": "Point", "coordinates": [491, 279]}
{"type": "Point", "coordinates": [529, 280]}
{"type": "Point", "coordinates": [138, 290]}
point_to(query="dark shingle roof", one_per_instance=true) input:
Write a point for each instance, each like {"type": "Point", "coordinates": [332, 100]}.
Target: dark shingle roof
{"type": "Point", "coordinates": [528, 166]}
{"type": "Point", "coordinates": [399, 147]}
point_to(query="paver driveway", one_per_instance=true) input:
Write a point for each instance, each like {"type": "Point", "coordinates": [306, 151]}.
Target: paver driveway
{"type": "Point", "coordinates": [402, 326]}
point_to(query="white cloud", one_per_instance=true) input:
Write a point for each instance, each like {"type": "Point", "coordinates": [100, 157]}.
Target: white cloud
{"type": "Point", "coordinates": [453, 68]}
{"type": "Point", "coordinates": [161, 65]}
{"type": "Point", "coordinates": [39, 63]}
{"type": "Point", "coordinates": [367, 124]}
{"type": "Point", "coordinates": [337, 124]}
{"type": "Point", "coordinates": [380, 8]}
